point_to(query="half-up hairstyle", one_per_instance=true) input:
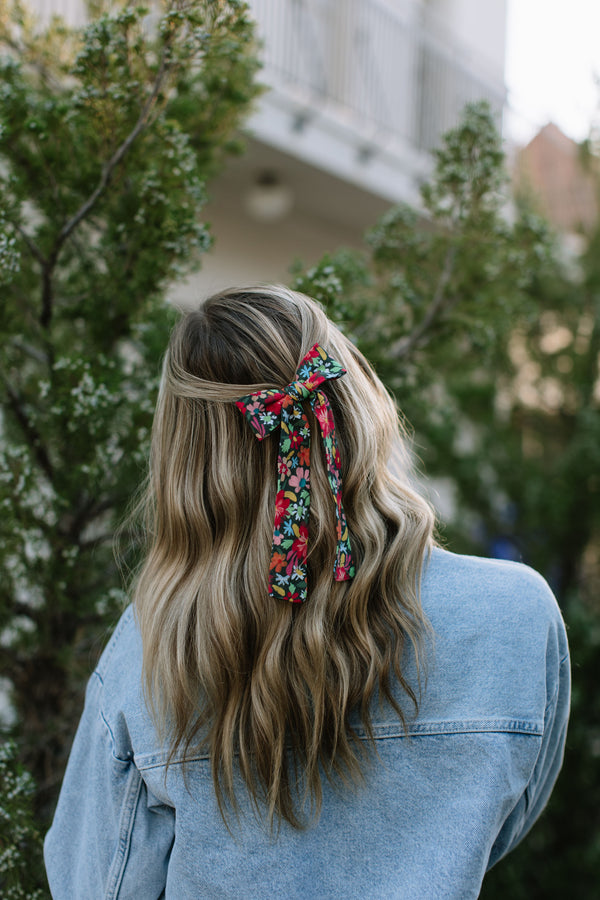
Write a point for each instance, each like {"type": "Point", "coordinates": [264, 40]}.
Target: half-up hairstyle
{"type": "Point", "coordinates": [267, 687]}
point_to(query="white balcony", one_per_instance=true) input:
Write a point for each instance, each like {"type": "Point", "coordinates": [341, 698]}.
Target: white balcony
{"type": "Point", "coordinates": [365, 88]}
{"type": "Point", "coordinates": [359, 93]}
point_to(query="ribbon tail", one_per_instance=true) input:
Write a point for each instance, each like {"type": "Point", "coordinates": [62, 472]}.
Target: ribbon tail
{"type": "Point", "coordinates": [288, 568]}
{"type": "Point", "coordinates": [343, 569]}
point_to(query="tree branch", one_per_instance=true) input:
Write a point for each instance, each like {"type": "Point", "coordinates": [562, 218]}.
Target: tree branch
{"type": "Point", "coordinates": [30, 350]}
{"type": "Point", "coordinates": [31, 245]}
{"type": "Point", "coordinates": [47, 292]}
{"type": "Point", "coordinates": [97, 541]}
{"type": "Point", "coordinates": [29, 430]}
{"type": "Point", "coordinates": [23, 609]}
{"type": "Point", "coordinates": [72, 527]}
{"type": "Point", "coordinates": [406, 345]}
{"type": "Point", "coordinates": [105, 177]}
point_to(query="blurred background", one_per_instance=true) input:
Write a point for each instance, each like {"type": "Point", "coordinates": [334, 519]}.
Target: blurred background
{"type": "Point", "coordinates": [359, 93]}
{"type": "Point", "coordinates": [429, 170]}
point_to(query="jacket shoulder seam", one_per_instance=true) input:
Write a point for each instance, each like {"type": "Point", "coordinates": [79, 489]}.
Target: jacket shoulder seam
{"type": "Point", "coordinates": [104, 660]}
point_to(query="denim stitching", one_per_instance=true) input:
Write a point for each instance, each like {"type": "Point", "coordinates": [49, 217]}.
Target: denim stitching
{"type": "Point", "coordinates": [391, 731]}
{"type": "Point", "coordinates": [110, 731]}
{"type": "Point", "coordinates": [132, 795]}
{"type": "Point", "coordinates": [124, 621]}
{"type": "Point", "coordinates": [531, 785]}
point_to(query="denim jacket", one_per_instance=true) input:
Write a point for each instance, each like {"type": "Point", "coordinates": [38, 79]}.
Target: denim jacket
{"type": "Point", "coordinates": [439, 806]}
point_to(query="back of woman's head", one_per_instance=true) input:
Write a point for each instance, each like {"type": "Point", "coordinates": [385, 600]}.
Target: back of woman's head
{"type": "Point", "coordinates": [267, 686]}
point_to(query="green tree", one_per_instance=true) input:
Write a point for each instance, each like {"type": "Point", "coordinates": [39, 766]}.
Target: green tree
{"type": "Point", "coordinates": [20, 844]}
{"type": "Point", "coordinates": [490, 341]}
{"type": "Point", "coordinates": [107, 138]}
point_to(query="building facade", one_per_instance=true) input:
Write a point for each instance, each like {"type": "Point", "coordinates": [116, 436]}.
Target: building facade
{"type": "Point", "coordinates": [359, 92]}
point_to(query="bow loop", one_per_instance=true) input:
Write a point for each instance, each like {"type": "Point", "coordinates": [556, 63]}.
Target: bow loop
{"type": "Point", "coordinates": [265, 411]}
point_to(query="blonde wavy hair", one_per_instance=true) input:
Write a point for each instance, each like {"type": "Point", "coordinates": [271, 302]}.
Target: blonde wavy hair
{"type": "Point", "coordinates": [266, 687]}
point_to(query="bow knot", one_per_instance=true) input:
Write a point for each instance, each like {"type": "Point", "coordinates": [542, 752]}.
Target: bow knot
{"type": "Point", "coordinates": [299, 390]}
{"type": "Point", "coordinates": [265, 411]}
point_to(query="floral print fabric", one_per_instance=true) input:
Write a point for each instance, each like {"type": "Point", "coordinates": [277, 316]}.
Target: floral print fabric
{"type": "Point", "coordinates": [268, 410]}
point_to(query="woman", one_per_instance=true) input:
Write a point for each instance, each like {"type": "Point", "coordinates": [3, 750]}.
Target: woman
{"type": "Point", "coordinates": [307, 698]}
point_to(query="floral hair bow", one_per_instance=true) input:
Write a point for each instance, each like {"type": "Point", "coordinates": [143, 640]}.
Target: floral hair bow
{"type": "Point", "coordinates": [265, 411]}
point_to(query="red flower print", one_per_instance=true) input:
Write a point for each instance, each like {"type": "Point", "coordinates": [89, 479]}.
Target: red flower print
{"type": "Point", "coordinates": [300, 544]}
{"type": "Point", "coordinates": [281, 506]}
{"type": "Point", "coordinates": [283, 467]}
{"type": "Point", "coordinates": [304, 456]}
{"type": "Point", "coordinates": [323, 414]}
{"type": "Point", "coordinates": [265, 411]}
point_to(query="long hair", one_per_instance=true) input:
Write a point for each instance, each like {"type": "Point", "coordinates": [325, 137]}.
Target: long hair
{"type": "Point", "coordinates": [266, 687]}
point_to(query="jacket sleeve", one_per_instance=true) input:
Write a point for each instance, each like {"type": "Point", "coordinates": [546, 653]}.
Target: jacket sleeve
{"type": "Point", "coordinates": [550, 756]}
{"type": "Point", "coordinates": [110, 838]}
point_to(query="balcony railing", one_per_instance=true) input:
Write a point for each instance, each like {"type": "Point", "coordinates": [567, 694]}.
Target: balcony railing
{"type": "Point", "coordinates": [362, 61]}
{"type": "Point", "coordinates": [389, 75]}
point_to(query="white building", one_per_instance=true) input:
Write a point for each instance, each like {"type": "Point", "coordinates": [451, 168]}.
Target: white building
{"type": "Point", "coordinates": [360, 91]}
